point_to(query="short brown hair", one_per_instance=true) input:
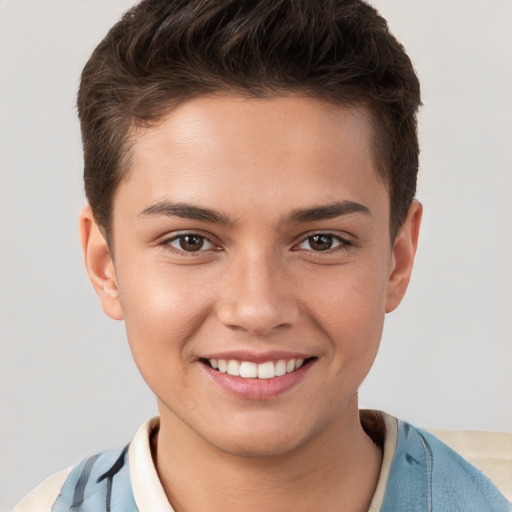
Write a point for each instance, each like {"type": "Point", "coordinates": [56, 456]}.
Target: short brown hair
{"type": "Point", "coordinates": [163, 52]}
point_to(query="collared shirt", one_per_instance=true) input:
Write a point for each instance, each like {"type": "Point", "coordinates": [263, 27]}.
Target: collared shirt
{"type": "Point", "coordinates": [414, 474]}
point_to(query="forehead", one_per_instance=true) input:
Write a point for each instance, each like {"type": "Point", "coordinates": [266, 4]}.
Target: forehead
{"type": "Point", "coordinates": [239, 151]}
{"type": "Point", "coordinates": [301, 121]}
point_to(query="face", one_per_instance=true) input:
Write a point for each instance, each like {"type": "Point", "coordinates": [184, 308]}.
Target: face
{"type": "Point", "coordinates": [253, 267]}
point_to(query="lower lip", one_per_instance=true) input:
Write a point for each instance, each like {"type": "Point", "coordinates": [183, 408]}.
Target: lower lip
{"type": "Point", "coordinates": [258, 389]}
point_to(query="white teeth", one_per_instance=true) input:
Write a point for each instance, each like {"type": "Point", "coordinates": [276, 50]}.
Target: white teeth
{"type": "Point", "coordinates": [280, 367]}
{"type": "Point", "coordinates": [233, 368]}
{"type": "Point", "coordinates": [266, 370]}
{"type": "Point", "coordinates": [249, 370]}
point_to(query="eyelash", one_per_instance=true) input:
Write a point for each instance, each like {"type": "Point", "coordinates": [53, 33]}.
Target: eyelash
{"type": "Point", "coordinates": [343, 243]}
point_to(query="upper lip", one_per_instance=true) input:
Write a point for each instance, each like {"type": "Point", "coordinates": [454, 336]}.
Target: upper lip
{"type": "Point", "coordinates": [257, 357]}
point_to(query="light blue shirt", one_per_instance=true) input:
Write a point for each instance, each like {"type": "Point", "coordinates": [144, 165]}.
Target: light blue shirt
{"type": "Point", "coordinates": [425, 476]}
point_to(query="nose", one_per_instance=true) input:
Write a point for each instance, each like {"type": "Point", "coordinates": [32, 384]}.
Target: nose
{"type": "Point", "coordinates": [257, 295]}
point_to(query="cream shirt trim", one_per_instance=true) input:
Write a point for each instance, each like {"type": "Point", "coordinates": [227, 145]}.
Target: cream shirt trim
{"type": "Point", "coordinates": [42, 498]}
{"type": "Point", "coordinates": [147, 489]}
{"type": "Point", "coordinates": [388, 452]}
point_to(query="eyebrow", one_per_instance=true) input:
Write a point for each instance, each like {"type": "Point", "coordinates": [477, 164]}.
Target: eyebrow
{"type": "Point", "coordinates": [329, 211]}
{"type": "Point", "coordinates": [186, 211]}
{"type": "Point", "coordinates": [189, 211]}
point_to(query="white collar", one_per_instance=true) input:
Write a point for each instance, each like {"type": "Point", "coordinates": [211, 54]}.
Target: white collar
{"type": "Point", "coordinates": [147, 489]}
{"type": "Point", "coordinates": [388, 452]}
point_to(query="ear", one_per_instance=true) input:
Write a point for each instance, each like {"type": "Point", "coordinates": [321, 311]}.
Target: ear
{"type": "Point", "coordinates": [404, 249]}
{"type": "Point", "coordinates": [99, 264]}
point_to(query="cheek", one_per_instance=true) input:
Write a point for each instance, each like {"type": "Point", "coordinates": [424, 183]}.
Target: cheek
{"type": "Point", "coordinates": [162, 309]}
{"type": "Point", "coordinates": [349, 295]}
{"type": "Point", "coordinates": [348, 304]}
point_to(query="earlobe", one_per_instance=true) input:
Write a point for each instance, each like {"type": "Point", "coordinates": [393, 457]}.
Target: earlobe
{"type": "Point", "coordinates": [99, 264]}
{"type": "Point", "coordinates": [404, 250]}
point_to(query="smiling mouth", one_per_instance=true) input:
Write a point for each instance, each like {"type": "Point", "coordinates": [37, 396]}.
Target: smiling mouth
{"type": "Point", "coordinates": [250, 370]}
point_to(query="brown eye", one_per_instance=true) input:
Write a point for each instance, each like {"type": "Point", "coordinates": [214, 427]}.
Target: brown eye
{"type": "Point", "coordinates": [190, 242]}
{"type": "Point", "coordinates": [321, 242]}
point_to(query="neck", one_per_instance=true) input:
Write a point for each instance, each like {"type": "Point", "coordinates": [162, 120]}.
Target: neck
{"type": "Point", "coordinates": [337, 469]}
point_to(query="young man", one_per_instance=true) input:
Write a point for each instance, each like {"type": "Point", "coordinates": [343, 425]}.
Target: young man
{"type": "Point", "coordinates": [250, 169]}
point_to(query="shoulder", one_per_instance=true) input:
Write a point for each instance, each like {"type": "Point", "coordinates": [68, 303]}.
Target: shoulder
{"type": "Point", "coordinates": [42, 498]}
{"type": "Point", "coordinates": [429, 475]}
{"type": "Point", "coordinates": [104, 481]}
{"type": "Point", "coordinates": [490, 452]}
{"type": "Point", "coordinates": [455, 479]}
{"type": "Point", "coordinates": [87, 486]}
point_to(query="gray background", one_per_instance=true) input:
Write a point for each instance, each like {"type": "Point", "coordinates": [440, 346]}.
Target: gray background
{"type": "Point", "coordinates": [68, 386]}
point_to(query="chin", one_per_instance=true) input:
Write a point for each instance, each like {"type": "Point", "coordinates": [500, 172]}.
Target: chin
{"type": "Point", "coordinates": [260, 440]}
{"type": "Point", "coordinates": [259, 447]}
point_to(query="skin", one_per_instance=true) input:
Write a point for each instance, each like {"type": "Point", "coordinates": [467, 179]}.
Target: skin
{"type": "Point", "coordinates": [258, 284]}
